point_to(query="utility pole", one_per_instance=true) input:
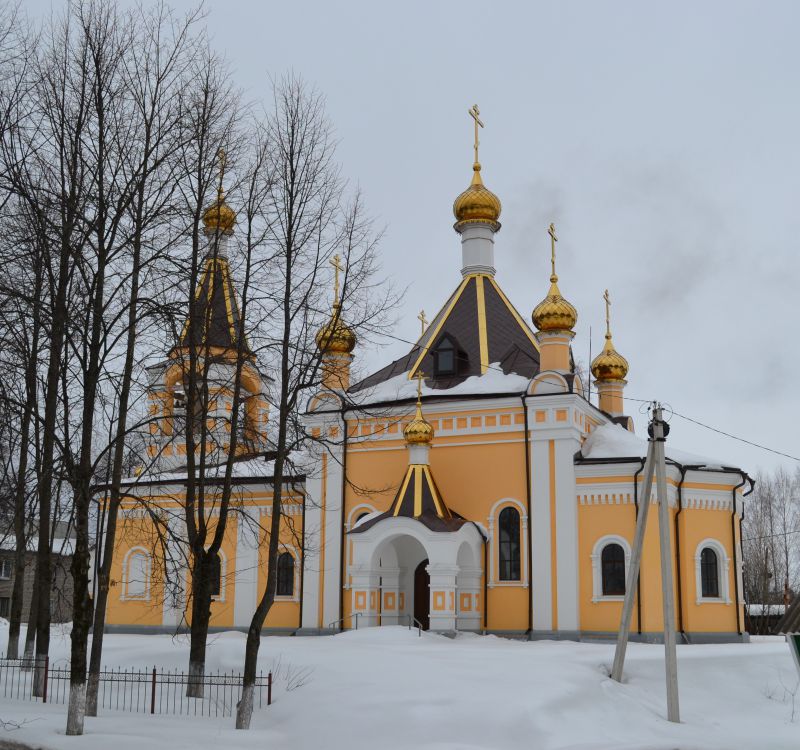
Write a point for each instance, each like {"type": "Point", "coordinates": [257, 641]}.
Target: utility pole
{"type": "Point", "coordinates": [655, 463]}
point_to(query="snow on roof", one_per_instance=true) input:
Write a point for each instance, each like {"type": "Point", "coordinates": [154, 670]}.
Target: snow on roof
{"type": "Point", "coordinates": [614, 441]}
{"type": "Point", "coordinates": [243, 469]}
{"type": "Point", "coordinates": [60, 546]}
{"type": "Point", "coordinates": [760, 610]}
{"type": "Point", "coordinates": [398, 388]}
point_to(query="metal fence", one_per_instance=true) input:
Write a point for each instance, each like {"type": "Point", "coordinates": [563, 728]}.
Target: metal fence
{"type": "Point", "coordinates": [137, 690]}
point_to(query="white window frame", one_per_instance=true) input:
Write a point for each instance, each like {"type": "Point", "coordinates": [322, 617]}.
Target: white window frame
{"type": "Point", "coordinates": [295, 597]}
{"type": "Point", "coordinates": [9, 563]}
{"type": "Point", "coordinates": [723, 572]}
{"type": "Point", "coordinates": [126, 573]}
{"type": "Point", "coordinates": [597, 567]}
{"type": "Point", "coordinates": [494, 541]}
{"type": "Point", "coordinates": [223, 577]}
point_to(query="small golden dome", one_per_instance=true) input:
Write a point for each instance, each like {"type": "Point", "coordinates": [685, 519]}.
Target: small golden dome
{"type": "Point", "coordinates": [554, 313]}
{"type": "Point", "coordinates": [219, 215]}
{"type": "Point", "coordinates": [609, 364]}
{"type": "Point", "coordinates": [335, 336]}
{"type": "Point", "coordinates": [418, 430]}
{"type": "Point", "coordinates": [477, 204]}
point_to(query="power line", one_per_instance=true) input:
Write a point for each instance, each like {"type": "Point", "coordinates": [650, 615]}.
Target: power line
{"type": "Point", "coordinates": [648, 401]}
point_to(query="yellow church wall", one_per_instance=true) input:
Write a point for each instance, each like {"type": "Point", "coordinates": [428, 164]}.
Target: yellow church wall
{"type": "Point", "coordinates": [697, 525]}
{"type": "Point", "coordinates": [135, 534]}
{"type": "Point", "coordinates": [473, 472]}
{"type": "Point", "coordinates": [595, 522]}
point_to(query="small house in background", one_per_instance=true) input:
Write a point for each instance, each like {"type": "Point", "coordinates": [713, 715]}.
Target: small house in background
{"type": "Point", "coordinates": [61, 589]}
{"type": "Point", "coordinates": [763, 619]}
{"type": "Point", "coordinates": [789, 626]}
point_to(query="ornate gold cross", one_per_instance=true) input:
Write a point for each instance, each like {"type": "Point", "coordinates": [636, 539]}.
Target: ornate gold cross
{"type": "Point", "coordinates": [473, 113]}
{"type": "Point", "coordinates": [336, 262]}
{"type": "Point", "coordinates": [420, 376]}
{"type": "Point", "coordinates": [423, 320]}
{"type": "Point", "coordinates": [553, 240]}
{"type": "Point", "coordinates": [607, 298]}
{"type": "Point", "coordinates": [222, 160]}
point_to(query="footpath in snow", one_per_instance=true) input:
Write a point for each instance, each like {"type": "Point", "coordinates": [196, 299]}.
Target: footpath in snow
{"type": "Point", "coordinates": [388, 688]}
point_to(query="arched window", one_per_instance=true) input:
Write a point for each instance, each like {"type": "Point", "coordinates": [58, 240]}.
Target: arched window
{"type": "Point", "coordinates": [137, 575]}
{"type": "Point", "coordinates": [285, 574]}
{"type": "Point", "coordinates": [509, 545]}
{"type": "Point", "coordinates": [709, 573]}
{"type": "Point", "coordinates": [216, 575]}
{"type": "Point", "coordinates": [612, 561]}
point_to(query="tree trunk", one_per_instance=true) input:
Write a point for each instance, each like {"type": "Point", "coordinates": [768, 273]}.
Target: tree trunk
{"type": "Point", "coordinates": [201, 616]}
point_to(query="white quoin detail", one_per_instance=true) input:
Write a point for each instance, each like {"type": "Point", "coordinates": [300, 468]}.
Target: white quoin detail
{"type": "Point", "coordinates": [477, 249]}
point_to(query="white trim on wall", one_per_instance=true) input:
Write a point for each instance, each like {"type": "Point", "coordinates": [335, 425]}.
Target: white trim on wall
{"type": "Point", "coordinates": [126, 572]}
{"type": "Point", "coordinates": [723, 573]}
{"type": "Point", "coordinates": [494, 544]}
{"type": "Point", "coordinates": [597, 568]}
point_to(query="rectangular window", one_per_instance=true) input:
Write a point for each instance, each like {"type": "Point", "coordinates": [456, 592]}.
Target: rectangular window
{"type": "Point", "coordinates": [6, 568]}
{"type": "Point", "coordinates": [5, 606]}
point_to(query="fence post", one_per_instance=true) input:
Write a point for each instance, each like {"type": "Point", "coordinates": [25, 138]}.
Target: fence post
{"type": "Point", "coordinates": [153, 693]}
{"type": "Point", "coordinates": [269, 689]}
{"type": "Point", "coordinates": [46, 669]}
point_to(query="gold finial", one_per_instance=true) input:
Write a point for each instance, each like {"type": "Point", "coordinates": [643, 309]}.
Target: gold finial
{"type": "Point", "coordinates": [423, 320]}
{"type": "Point", "coordinates": [418, 430]}
{"type": "Point", "coordinates": [553, 239]}
{"type": "Point", "coordinates": [419, 377]}
{"type": "Point", "coordinates": [609, 364]}
{"type": "Point", "coordinates": [219, 216]}
{"type": "Point", "coordinates": [336, 262]}
{"type": "Point", "coordinates": [222, 160]}
{"type": "Point", "coordinates": [473, 113]}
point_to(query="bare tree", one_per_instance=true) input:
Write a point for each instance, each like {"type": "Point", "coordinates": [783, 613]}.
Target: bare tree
{"type": "Point", "coordinates": [308, 223]}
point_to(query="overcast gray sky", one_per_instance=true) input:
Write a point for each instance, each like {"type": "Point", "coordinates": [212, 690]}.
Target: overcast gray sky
{"type": "Point", "coordinates": [661, 138]}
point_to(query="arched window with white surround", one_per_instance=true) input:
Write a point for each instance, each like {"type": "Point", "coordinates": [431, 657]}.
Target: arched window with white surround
{"type": "Point", "coordinates": [712, 566]}
{"type": "Point", "coordinates": [611, 557]}
{"type": "Point", "coordinates": [136, 570]}
{"type": "Point", "coordinates": [509, 545]}
{"type": "Point", "coordinates": [508, 532]}
{"type": "Point", "coordinates": [285, 574]}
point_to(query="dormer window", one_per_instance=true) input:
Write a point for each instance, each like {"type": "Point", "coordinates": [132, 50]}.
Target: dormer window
{"type": "Point", "coordinates": [447, 357]}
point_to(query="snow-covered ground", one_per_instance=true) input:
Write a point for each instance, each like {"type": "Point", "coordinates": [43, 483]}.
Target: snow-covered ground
{"type": "Point", "coordinates": [387, 688]}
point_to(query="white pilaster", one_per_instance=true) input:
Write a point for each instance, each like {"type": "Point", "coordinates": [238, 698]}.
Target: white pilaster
{"type": "Point", "coordinates": [443, 607]}
{"type": "Point", "coordinates": [246, 571]}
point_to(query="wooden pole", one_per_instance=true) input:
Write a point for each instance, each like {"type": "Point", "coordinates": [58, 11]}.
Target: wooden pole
{"type": "Point", "coordinates": [635, 565]}
{"type": "Point", "coordinates": [670, 652]}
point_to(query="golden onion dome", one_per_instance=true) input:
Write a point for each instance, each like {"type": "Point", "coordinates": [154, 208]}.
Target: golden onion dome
{"type": "Point", "coordinates": [554, 313]}
{"type": "Point", "coordinates": [219, 215]}
{"type": "Point", "coordinates": [335, 336]}
{"type": "Point", "coordinates": [477, 204]}
{"type": "Point", "coordinates": [609, 364]}
{"type": "Point", "coordinates": [418, 430]}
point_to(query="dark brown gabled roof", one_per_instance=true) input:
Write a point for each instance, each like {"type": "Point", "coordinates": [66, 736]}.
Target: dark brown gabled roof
{"type": "Point", "coordinates": [484, 327]}
{"type": "Point", "coordinates": [418, 498]}
{"type": "Point", "coordinates": [216, 309]}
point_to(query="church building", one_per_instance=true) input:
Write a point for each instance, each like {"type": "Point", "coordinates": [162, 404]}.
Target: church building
{"type": "Point", "coordinates": [468, 486]}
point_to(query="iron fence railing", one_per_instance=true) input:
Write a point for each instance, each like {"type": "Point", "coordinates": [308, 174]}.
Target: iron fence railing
{"type": "Point", "coordinates": [154, 691]}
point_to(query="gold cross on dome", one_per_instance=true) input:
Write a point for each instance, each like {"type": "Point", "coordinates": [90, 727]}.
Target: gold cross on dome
{"type": "Point", "coordinates": [420, 376]}
{"type": "Point", "coordinates": [607, 299]}
{"type": "Point", "coordinates": [336, 262]}
{"type": "Point", "coordinates": [553, 239]}
{"type": "Point", "coordinates": [222, 160]}
{"type": "Point", "coordinates": [473, 113]}
{"type": "Point", "coordinates": [423, 320]}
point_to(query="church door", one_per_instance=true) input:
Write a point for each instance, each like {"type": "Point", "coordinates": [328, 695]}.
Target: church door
{"type": "Point", "coordinates": [422, 595]}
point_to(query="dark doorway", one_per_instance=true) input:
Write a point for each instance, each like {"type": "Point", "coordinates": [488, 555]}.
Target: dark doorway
{"type": "Point", "coordinates": [422, 595]}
